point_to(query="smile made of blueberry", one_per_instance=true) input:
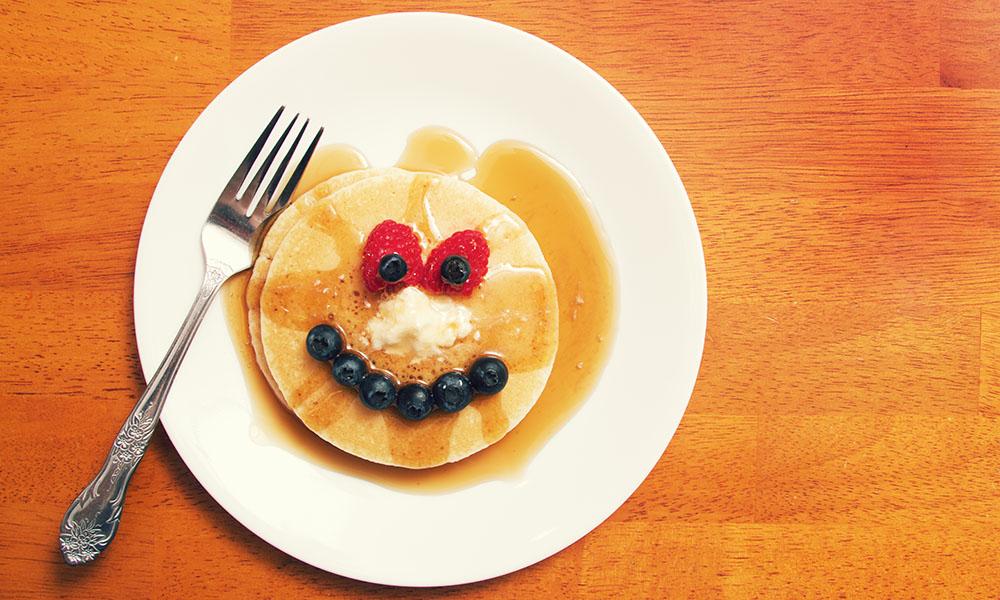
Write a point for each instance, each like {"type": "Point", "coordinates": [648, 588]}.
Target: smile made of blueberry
{"type": "Point", "coordinates": [451, 392]}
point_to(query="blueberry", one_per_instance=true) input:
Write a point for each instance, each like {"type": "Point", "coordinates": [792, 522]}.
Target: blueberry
{"type": "Point", "coordinates": [455, 270]}
{"type": "Point", "coordinates": [349, 368]}
{"type": "Point", "coordinates": [377, 391]}
{"type": "Point", "coordinates": [392, 268]}
{"type": "Point", "coordinates": [414, 401]}
{"type": "Point", "coordinates": [488, 375]}
{"type": "Point", "coordinates": [324, 342]}
{"type": "Point", "coordinates": [452, 392]}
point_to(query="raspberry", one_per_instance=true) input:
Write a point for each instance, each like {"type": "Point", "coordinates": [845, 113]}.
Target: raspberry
{"type": "Point", "coordinates": [469, 245]}
{"type": "Point", "coordinates": [390, 237]}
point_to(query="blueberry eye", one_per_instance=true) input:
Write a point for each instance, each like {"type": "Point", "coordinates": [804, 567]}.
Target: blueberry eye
{"type": "Point", "coordinates": [392, 268]}
{"type": "Point", "coordinates": [455, 270]}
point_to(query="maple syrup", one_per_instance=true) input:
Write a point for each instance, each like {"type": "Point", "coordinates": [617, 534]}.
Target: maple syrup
{"type": "Point", "coordinates": [547, 198]}
{"type": "Point", "coordinates": [437, 150]}
{"type": "Point", "coordinates": [327, 161]}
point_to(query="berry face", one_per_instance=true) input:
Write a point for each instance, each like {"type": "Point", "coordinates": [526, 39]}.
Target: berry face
{"type": "Point", "coordinates": [452, 392]}
{"type": "Point", "coordinates": [467, 245]}
{"type": "Point", "coordinates": [324, 342]}
{"type": "Point", "coordinates": [455, 270]}
{"type": "Point", "coordinates": [488, 375]}
{"type": "Point", "coordinates": [377, 391]}
{"type": "Point", "coordinates": [378, 269]}
{"type": "Point", "coordinates": [414, 402]}
{"type": "Point", "coordinates": [392, 268]}
{"type": "Point", "coordinates": [349, 369]}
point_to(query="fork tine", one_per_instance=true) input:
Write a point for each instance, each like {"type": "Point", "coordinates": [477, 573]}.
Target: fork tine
{"type": "Point", "coordinates": [286, 194]}
{"type": "Point", "coordinates": [258, 177]}
{"type": "Point", "coordinates": [229, 192]}
{"type": "Point", "coordinates": [262, 207]}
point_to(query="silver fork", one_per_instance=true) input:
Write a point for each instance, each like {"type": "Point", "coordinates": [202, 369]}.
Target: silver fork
{"type": "Point", "coordinates": [229, 239]}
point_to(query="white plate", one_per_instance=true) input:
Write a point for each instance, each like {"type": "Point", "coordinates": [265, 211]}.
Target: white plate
{"type": "Point", "coordinates": [371, 82]}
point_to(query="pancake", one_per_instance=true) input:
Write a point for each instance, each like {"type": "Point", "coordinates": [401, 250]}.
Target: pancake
{"type": "Point", "coordinates": [275, 234]}
{"type": "Point", "coordinates": [313, 277]}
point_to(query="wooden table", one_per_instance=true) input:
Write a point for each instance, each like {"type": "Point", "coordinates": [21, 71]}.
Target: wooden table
{"type": "Point", "coordinates": [842, 160]}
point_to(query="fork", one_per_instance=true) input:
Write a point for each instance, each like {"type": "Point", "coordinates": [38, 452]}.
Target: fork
{"type": "Point", "coordinates": [229, 239]}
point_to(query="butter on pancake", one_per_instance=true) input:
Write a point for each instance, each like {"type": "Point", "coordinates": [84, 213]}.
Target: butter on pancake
{"type": "Point", "coordinates": [412, 324]}
{"type": "Point", "coordinates": [312, 275]}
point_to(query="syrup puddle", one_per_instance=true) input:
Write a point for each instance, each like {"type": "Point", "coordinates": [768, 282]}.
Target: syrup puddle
{"type": "Point", "coordinates": [545, 196]}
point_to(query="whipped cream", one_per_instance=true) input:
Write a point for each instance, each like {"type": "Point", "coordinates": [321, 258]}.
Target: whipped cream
{"type": "Point", "coordinates": [411, 323]}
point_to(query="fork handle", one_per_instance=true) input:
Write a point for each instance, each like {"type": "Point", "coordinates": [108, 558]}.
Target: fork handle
{"type": "Point", "coordinates": [92, 519]}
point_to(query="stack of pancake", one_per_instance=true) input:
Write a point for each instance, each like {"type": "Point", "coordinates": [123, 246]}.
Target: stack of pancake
{"type": "Point", "coordinates": [308, 272]}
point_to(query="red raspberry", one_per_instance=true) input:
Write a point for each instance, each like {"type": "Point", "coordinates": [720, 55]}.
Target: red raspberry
{"type": "Point", "coordinates": [390, 237]}
{"type": "Point", "coordinates": [469, 245]}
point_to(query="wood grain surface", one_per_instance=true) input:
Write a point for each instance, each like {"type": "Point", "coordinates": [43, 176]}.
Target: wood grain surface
{"type": "Point", "coordinates": [843, 439]}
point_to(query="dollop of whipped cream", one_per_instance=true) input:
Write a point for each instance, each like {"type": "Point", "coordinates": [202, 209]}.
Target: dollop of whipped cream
{"type": "Point", "coordinates": [411, 323]}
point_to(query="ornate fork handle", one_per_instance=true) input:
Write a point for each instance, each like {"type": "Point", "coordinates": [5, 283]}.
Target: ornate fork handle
{"type": "Point", "coordinates": [92, 519]}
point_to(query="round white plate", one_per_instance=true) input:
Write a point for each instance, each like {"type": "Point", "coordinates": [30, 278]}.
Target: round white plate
{"type": "Point", "coordinates": [371, 82]}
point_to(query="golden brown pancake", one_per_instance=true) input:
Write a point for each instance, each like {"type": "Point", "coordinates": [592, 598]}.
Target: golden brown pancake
{"type": "Point", "coordinates": [313, 276]}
